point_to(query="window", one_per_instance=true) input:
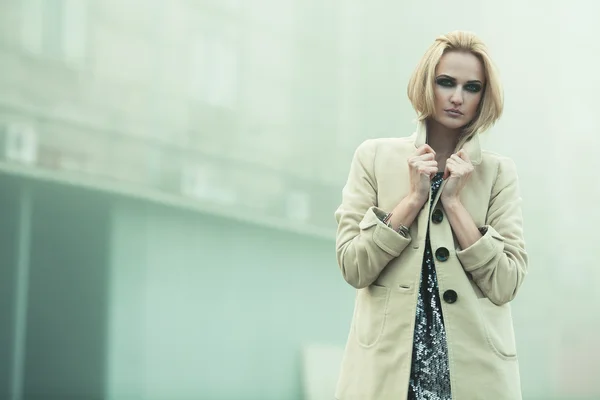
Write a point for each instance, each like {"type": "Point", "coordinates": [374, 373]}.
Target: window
{"type": "Point", "coordinates": [55, 29]}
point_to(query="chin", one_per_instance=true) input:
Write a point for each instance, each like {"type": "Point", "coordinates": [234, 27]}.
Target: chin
{"type": "Point", "coordinates": [452, 123]}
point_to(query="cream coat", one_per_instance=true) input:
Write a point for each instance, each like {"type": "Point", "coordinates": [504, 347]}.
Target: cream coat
{"type": "Point", "coordinates": [385, 268]}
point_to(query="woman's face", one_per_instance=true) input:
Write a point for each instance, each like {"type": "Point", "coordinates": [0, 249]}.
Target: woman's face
{"type": "Point", "coordinates": [459, 80]}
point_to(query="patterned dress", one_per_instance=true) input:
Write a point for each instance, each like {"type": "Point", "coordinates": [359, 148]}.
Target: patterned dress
{"type": "Point", "coordinates": [430, 374]}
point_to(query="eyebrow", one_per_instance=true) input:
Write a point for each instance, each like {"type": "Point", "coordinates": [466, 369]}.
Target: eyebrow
{"type": "Point", "coordinates": [454, 79]}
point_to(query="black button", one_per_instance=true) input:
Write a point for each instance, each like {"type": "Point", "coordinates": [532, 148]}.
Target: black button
{"type": "Point", "coordinates": [442, 254]}
{"type": "Point", "coordinates": [437, 216]}
{"type": "Point", "coordinates": [450, 296]}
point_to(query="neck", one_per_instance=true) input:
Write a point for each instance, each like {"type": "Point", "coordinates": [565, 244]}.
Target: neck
{"type": "Point", "coordinates": [441, 139]}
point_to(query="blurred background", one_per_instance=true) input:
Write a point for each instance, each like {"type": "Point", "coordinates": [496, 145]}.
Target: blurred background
{"type": "Point", "coordinates": [169, 171]}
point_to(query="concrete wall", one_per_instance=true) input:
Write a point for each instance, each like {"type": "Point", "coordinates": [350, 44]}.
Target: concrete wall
{"type": "Point", "coordinates": [203, 307]}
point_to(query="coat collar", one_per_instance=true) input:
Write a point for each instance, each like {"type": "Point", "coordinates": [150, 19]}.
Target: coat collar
{"type": "Point", "coordinates": [470, 144]}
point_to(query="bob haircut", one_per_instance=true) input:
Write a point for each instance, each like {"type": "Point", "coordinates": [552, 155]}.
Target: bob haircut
{"type": "Point", "coordinates": [422, 81]}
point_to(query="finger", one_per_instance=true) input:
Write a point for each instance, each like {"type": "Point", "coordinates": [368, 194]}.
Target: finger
{"type": "Point", "coordinates": [452, 161]}
{"type": "Point", "coordinates": [430, 163]}
{"type": "Point", "coordinates": [464, 156]}
{"type": "Point", "coordinates": [422, 167]}
{"type": "Point", "coordinates": [426, 156]}
{"type": "Point", "coordinates": [421, 158]}
{"type": "Point", "coordinates": [457, 163]}
{"type": "Point", "coordinates": [424, 150]}
{"type": "Point", "coordinates": [457, 158]}
{"type": "Point", "coordinates": [431, 172]}
{"type": "Point", "coordinates": [456, 169]}
{"type": "Point", "coordinates": [428, 171]}
{"type": "Point", "coordinates": [447, 171]}
{"type": "Point", "coordinates": [450, 168]}
{"type": "Point", "coordinates": [417, 159]}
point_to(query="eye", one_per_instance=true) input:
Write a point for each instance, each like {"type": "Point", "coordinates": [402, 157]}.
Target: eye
{"type": "Point", "coordinates": [445, 82]}
{"type": "Point", "coordinates": [473, 87]}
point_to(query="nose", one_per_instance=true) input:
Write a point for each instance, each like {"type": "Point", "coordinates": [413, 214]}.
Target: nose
{"type": "Point", "coordinates": [456, 98]}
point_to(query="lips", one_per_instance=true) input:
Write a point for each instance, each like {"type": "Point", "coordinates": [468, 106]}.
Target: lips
{"type": "Point", "coordinates": [453, 111]}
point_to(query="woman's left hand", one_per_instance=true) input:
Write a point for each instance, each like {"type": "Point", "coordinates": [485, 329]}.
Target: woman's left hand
{"type": "Point", "coordinates": [458, 170]}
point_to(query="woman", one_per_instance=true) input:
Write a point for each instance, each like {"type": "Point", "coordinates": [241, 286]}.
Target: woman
{"type": "Point", "coordinates": [430, 233]}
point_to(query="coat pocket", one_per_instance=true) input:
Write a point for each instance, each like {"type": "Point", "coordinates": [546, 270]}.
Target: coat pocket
{"type": "Point", "coordinates": [370, 313]}
{"type": "Point", "coordinates": [499, 329]}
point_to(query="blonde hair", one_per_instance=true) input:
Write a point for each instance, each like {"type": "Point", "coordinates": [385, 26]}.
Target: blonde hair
{"type": "Point", "coordinates": [422, 81]}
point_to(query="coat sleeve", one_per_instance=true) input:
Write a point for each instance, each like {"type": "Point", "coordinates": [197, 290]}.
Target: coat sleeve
{"type": "Point", "coordinates": [498, 261]}
{"type": "Point", "coordinates": [364, 244]}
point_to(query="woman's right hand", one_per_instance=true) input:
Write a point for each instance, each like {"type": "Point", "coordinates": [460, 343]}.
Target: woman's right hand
{"type": "Point", "coordinates": [422, 167]}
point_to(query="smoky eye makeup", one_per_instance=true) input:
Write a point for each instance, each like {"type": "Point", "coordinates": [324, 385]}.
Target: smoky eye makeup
{"type": "Point", "coordinates": [447, 81]}
{"type": "Point", "coordinates": [473, 87]}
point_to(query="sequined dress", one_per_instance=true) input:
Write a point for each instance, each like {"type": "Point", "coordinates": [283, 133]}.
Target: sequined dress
{"type": "Point", "coordinates": [430, 374]}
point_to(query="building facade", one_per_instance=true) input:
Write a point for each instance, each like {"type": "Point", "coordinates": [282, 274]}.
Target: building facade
{"type": "Point", "coordinates": [252, 107]}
